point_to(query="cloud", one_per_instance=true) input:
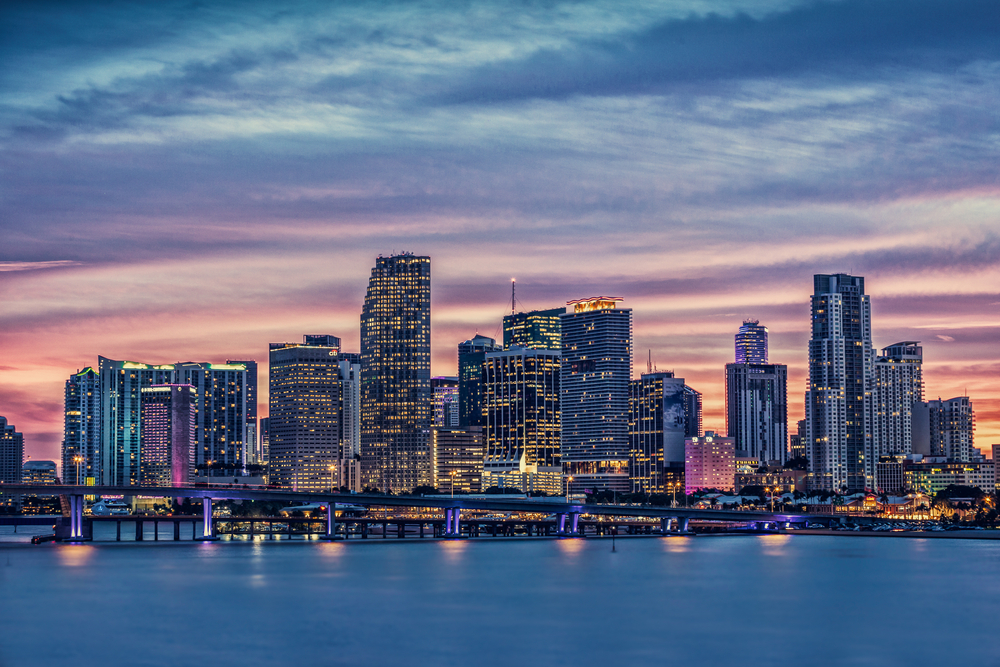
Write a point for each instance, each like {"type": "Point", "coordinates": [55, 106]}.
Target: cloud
{"type": "Point", "coordinates": [947, 339]}
{"type": "Point", "coordinates": [36, 266]}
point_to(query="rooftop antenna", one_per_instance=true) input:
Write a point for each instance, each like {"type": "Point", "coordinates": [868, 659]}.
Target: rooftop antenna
{"type": "Point", "coordinates": [649, 362]}
{"type": "Point", "coordinates": [513, 299]}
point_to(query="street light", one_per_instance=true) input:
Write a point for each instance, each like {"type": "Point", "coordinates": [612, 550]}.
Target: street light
{"type": "Point", "coordinates": [332, 468]}
{"type": "Point", "coordinates": [452, 474]}
{"type": "Point", "coordinates": [78, 460]}
{"type": "Point", "coordinates": [569, 480]}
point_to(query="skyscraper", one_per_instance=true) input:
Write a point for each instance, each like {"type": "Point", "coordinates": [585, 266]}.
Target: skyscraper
{"type": "Point", "coordinates": [471, 355]}
{"type": "Point", "coordinates": [167, 434]}
{"type": "Point", "coordinates": [396, 374]}
{"type": "Point", "coordinates": [536, 329]}
{"type": "Point", "coordinates": [81, 447]}
{"type": "Point", "coordinates": [751, 344]}
{"type": "Point", "coordinates": [663, 412]}
{"type": "Point", "coordinates": [952, 428]}
{"type": "Point", "coordinates": [303, 413]}
{"type": "Point", "coordinates": [757, 398]}
{"type": "Point", "coordinates": [898, 387]}
{"type": "Point", "coordinates": [445, 390]}
{"type": "Point", "coordinates": [596, 369]}
{"type": "Point", "coordinates": [350, 422]}
{"type": "Point", "coordinates": [220, 413]}
{"type": "Point", "coordinates": [841, 375]}
{"type": "Point", "coordinates": [11, 460]}
{"type": "Point", "coordinates": [521, 420]}
{"type": "Point", "coordinates": [251, 451]}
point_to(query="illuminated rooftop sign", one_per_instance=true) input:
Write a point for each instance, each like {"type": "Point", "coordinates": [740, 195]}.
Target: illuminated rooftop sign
{"type": "Point", "coordinates": [594, 303]}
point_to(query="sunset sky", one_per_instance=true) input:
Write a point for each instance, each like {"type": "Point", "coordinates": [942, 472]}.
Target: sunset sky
{"type": "Point", "coordinates": [188, 181]}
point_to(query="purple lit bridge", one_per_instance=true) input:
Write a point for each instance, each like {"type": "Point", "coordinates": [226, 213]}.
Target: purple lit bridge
{"type": "Point", "coordinates": [672, 520]}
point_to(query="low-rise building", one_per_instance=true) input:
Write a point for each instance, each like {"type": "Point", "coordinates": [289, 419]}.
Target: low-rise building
{"type": "Point", "coordinates": [931, 477]}
{"type": "Point", "coordinates": [457, 459]}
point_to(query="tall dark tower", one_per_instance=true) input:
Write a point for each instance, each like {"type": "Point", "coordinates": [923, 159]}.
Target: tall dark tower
{"type": "Point", "coordinates": [751, 344]}
{"type": "Point", "coordinates": [841, 375]}
{"type": "Point", "coordinates": [396, 397]}
{"type": "Point", "coordinates": [471, 355]}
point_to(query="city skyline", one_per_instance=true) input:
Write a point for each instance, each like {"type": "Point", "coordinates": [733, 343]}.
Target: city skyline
{"type": "Point", "coordinates": [228, 181]}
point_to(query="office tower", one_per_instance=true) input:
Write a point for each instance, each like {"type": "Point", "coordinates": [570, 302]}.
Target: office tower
{"type": "Point", "coordinates": [457, 459]}
{"type": "Point", "coordinates": [709, 463]}
{"type": "Point", "coordinates": [898, 386]}
{"type": "Point", "coordinates": [11, 460]}
{"type": "Point", "coordinates": [81, 447]}
{"type": "Point", "coordinates": [841, 375]}
{"type": "Point", "coordinates": [751, 343]}
{"type": "Point", "coordinates": [251, 452]}
{"type": "Point", "coordinates": [596, 369]}
{"type": "Point", "coordinates": [536, 329]}
{"type": "Point", "coordinates": [303, 414]}
{"type": "Point", "coordinates": [471, 355]}
{"type": "Point", "coordinates": [40, 472]}
{"type": "Point", "coordinates": [663, 411]}
{"type": "Point", "coordinates": [521, 420]}
{"type": "Point", "coordinates": [757, 398]}
{"type": "Point", "coordinates": [445, 391]}
{"type": "Point", "coordinates": [167, 425]}
{"type": "Point", "coordinates": [220, 414]}
{"type": "Point", "coordinates": [952, 428]}
{"type": "Point", "coordinates": [350, 422]}
{"type": "Point", "coordinates": [396, 374]}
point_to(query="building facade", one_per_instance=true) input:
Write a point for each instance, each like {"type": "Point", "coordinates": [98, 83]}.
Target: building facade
{"type": "Point", "coordinates": [952, 426]}
{"type": "Point", "coordinates": [251, 425]}
{"type": "Point", "coordinates": [396, 374]}
{"type": "Point", "coordinates": [596, 370]}
{"type": "Point", "coordinates": [535, 329]}
{"type": "Point", "coordinates": [167, 443]}
{"type": "Point", "coordinates": [663, 412]}
{"type": "Point", "coordinates": [445, 391]}
{"type": "Point", "coordinates": [709, 463]}
{"type": "Point", "coordinates": [898, 388]}
{"type": "Point", "coordinates": [841, 375]}
{"type": "Point", "coordinates": [757, 409]}
{"type": "Point", "coordinates": [220, 414]}
{"type": "Point", "coordinates": [471, 355]}
{"type": "Point", "coordinates": [304, 414]}
{"type": "Point", "coordinates": [81, 446]}
{"type": "Point", "coordinates": [39, 472]}
{"type": "Point", "coordinates": [751, 343]}
{"type": "Point", "coordinates": [349, 470]}
{"type": "Point", "coordinates": [11, 461]}
{"type": "Point", "coordinates": [457, 459]}
{"type": "Point", "coordinates": [521, 419]}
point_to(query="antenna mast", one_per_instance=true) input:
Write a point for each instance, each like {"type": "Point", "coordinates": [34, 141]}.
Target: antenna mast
{"type": "Point", "coordinates": [513, 282]}
{"type": "Point", "coordinates": [649, 361]}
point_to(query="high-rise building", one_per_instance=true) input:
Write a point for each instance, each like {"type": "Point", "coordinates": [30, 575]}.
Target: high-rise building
{"type": "Point", "coordinates": [521, 420]}
{"type": "Point", "coordinates": [471, 355]}
{"type": "Point", "coordinates": [898, 388]}
{"type": "Point", "coordinates": [709, 463]}
{"type": "Point", "coordinates": [445, 391]}
{"type": "Point", "coordinates": [40, 472]}
{"type": "Point", "coordinates": [536, 329]}
{"type": "Point", "coordinates": [251, 451]}
{"type": "Point", "coordinates": [841, 375]}
{"type": "Point", "coordinates": [396, 374]}
{"type": "Point", "coordinates": [220, 414]}
{"type": "Point", "coordinates": [796, 444]}
{"type": "Point", "coordinates": [81, 447]}
{"type": "Point", "coordinates": [596, 369]}
{"type": "Point", "coordinates": [167, 423]}
{"type": "Point", "coordinates": [952, 428]}
{"type": "Point", "coordinates": [350, 422]}
{"type": "Point", "coordinates": [457, 459]}
{"type": "Point", "coordinates": [304, 414]}
{"type": "Point", "coordinates": [663, 412]}
{"type": "Point", "coordinates": [757, 409]}
{"type": "Point", "coordinates": [751, 343]}
{"type": "Point", "coordinates": [11, 460]}
{"type": "Point", "coordinates": [264, 446]}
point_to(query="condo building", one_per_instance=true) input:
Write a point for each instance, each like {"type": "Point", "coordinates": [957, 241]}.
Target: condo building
{"type": "Point", "coordinates": [709, 463]}
{"type": "Point", "coordinates": [167, 443]}
{"type": "Point", "coordinates": [81, 446]}
{"type": "Point", "coordinates": [535, 329]}
{"type": "Point", "coordinates": [471, 355]}
{"type": "Point", "coordinates": [757, 398]}
{"type": "Point", "coordinates": [663, 412]}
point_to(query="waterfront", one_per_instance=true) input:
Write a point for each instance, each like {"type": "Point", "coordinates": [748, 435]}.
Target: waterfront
{"type": "Point", "coordinates": [809, 600]}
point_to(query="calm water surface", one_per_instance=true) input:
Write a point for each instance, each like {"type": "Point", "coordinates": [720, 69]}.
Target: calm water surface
{"type": "Point", "coordinates": [749, 600]}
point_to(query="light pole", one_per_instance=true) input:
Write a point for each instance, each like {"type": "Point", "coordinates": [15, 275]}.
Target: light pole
{"type": "Point", "coordinates": [78, 460]}
{"type": "Point", "coordinates": [332, 468]}
{"type": "Point", "coordinates": [569, 480]}
{"type": "Point", "coordinates": [452, 475]}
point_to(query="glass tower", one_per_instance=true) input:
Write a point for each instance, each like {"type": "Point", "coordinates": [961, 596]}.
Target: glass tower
{"type": "Point", "coordinates": [841, 375]}
{"type": "Point", "coordinates": [396, 374]}
{"type": "Point", "coordinates": [82, 428]}
{"type": "Point", "coordinates": [751, 344]}
{"type": "Point", "coordinates": [596, 369]}
{"type": "Point", "coordinates": [471, 355]}
{"type": "Point", "coordinates": [536, 329]}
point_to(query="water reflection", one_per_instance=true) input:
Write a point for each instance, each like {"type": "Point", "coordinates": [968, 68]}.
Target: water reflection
{"type": "Point", "coordinates": [774, 545]}
{"type": "Point", "coordinates": [454, 549]}
{"type": "Point", "coordinates": [676, 545]}
{"type": "Point", "coordinates": [571, 546]}
{"type": "Point", "coordinates": [74, 555]}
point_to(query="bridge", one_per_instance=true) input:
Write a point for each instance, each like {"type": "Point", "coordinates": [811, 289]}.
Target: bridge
{"type": "Point", "coordinates": [567, 515]}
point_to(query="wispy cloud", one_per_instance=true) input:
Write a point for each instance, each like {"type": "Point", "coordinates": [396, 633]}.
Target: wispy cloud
{"type": "Point", "coordinates": [36, 266]}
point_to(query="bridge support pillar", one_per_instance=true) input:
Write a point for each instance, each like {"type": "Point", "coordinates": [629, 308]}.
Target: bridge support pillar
{"type": "Point", "coordinates": [76, 518]}
{"type": "Point", "coordinates": [683, 523]}
{"type": "Point", "coordinates": [331, 521]}
{"type": "Point", "coordinates": [452, 525]}
{"type": "Point", "coordinates": [574, 519]}
{"type": "Point", "coordinates": [561, 523]}
{"type": "Point", "coordinates": [208, 530]}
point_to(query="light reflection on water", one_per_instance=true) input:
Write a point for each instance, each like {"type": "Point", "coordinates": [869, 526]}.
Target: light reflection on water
{"type": "Point", "coordinates": [704, 600]}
